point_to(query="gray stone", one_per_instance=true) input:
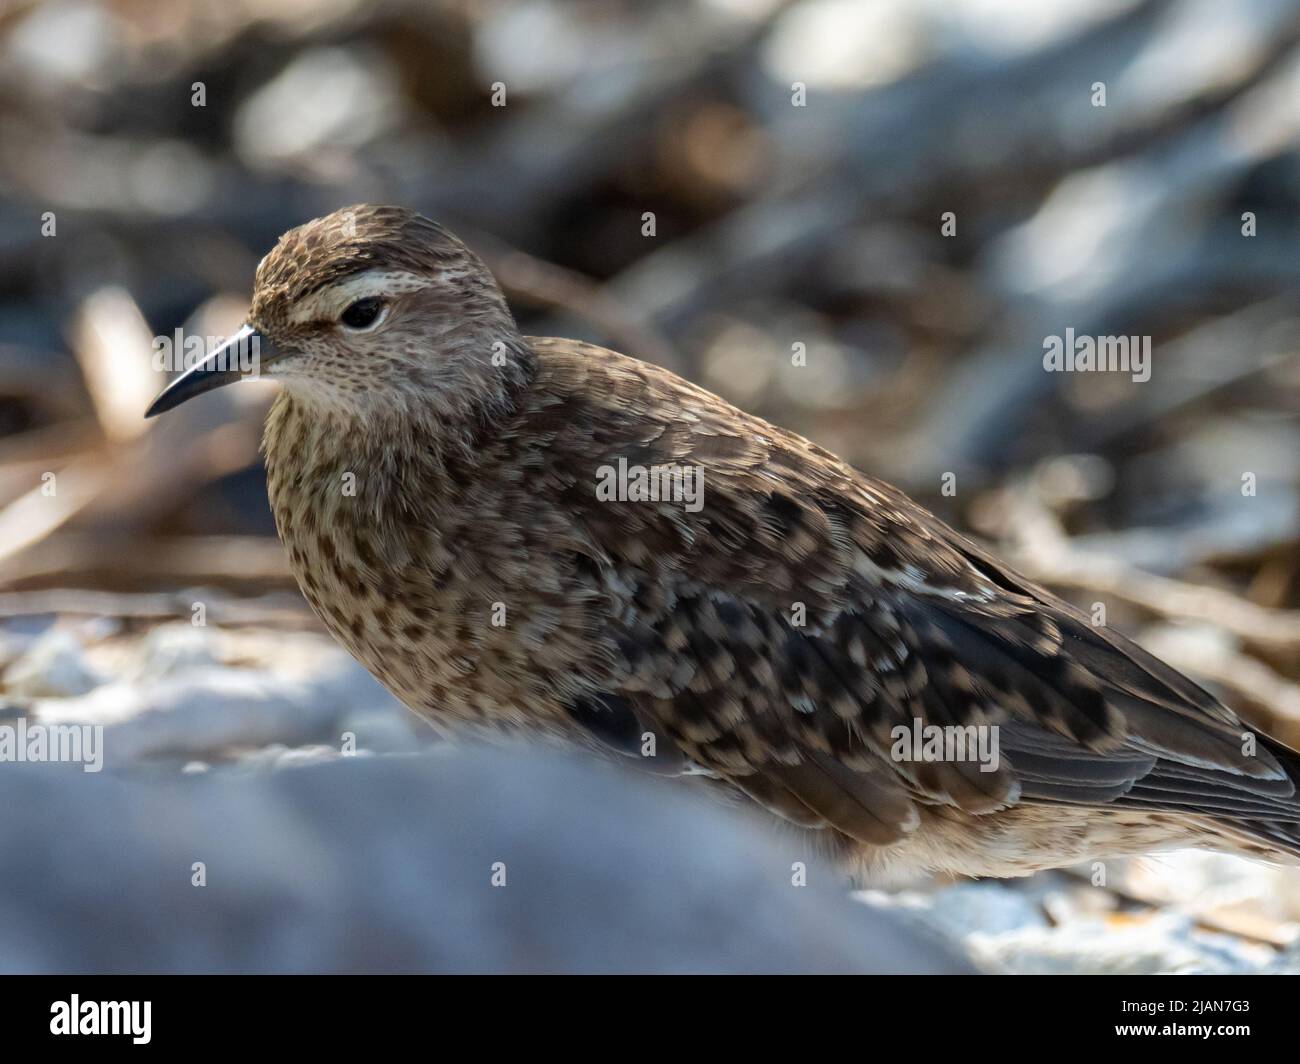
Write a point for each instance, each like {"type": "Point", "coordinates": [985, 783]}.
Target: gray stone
{"type": "Point", "coordinates": [385, 863]}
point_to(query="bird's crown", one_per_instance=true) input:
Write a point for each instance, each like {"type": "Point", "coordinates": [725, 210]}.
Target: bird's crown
{"type": "Point", "coordinates": [395, 245]}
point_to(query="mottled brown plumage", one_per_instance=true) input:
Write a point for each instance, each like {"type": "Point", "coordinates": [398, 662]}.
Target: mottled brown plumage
{"type": "Point", "coordinates": [434, 478]}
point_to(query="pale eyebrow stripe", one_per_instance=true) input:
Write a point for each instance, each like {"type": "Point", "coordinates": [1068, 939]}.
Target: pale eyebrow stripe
{"type": "Point", "coordinates": [329, 302]}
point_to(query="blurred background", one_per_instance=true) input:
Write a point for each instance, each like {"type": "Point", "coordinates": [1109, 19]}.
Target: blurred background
{"type": "Point", "coordinates": [916, 191]}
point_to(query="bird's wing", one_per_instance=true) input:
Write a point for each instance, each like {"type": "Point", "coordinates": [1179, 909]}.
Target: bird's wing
{"type": "Point", "coordinates": [783, 630]}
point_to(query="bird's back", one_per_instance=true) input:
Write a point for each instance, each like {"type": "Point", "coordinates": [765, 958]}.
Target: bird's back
{"type": "Point", "coordinates": [784, 623]}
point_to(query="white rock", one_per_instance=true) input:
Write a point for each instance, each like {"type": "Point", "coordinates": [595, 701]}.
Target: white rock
{"type": "Point", "coordinates": [1163, 943]}
{"type": "Point", "coordinates": [208, 714]}
{"type": "Point", "coordinates": [386, 732]}
{"type": "Point", "coordinates": [170, 649]}
{"type": "Point", "coordinates": [957, 910]}
{"type": "Point", "coordinates": [54, 667]}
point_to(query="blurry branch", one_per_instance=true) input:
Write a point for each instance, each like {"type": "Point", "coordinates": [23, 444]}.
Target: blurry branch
{"type": "Point", "coordinates": [112, 342]}
{"type": "Point", "coordinates": [533, 161]}
{"type": "Point", "coordinates": [986, 399]}
{"type": "Point", "coordinates": [1203, 364]}
{"type": "Point", "coordinates": [51, 445]}
{"type": "Point", "coordinates": [1044, 553]}
{"type": "Point", "coordinates": [1151, 257]}
{"type": "Point", "coordinates": [276, 610]}
{"type": "Point", "coordinates": [131, 562]}
{"type": "Point", "coordinates": [1164, 597]}
{"type": "Point", "coordinates": [111, 338]}
{"type": "Point", "coordinates": [925, 120]}
{"type": "Point", "coordinates": [134, 471]}
{"type": "Point", "coordinates": [540, 283]}
{"type": "Point", "coordinates": [1265, 696]}
{"type": "Point", "coordinates": [31, 517]}
{"type": "Point", "coordinates": [46, 382]}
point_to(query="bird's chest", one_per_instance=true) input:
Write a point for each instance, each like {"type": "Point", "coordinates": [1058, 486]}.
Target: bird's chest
{"type": "Point", "coordinates": [441, 608]}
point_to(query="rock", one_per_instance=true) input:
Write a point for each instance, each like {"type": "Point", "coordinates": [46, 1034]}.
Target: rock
{"type": "Point", "coordinates": [376, 864]}
{"type": "Point", "coordinates": [55, 666]}
{"type": "Point", "coordinates": [215, 712]}
{"type": "Point", "coordinates": [387, 732]}
{"type": "Point", "coordinates": [174, 648]}
{"type": "Point", "coordinates": [277, 756]}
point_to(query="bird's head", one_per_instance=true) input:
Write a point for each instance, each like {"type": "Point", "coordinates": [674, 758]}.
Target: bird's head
{"type": "Point", "coordinates": [368, 308]}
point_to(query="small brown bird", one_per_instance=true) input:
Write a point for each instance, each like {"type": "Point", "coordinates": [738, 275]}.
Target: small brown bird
{"type": "Point", "coordinates": [542, 535]}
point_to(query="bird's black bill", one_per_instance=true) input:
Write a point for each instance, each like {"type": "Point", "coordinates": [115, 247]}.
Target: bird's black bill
{"type": "Point", "coordinates": [243, 355]}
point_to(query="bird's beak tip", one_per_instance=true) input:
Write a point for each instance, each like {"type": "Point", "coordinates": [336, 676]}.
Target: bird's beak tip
{"type": "Point", "coordinates": [220, 367]}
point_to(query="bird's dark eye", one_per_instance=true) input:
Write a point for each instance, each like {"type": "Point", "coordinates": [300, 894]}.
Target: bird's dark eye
{"type": "Point", "coordinates": [363, 313]}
